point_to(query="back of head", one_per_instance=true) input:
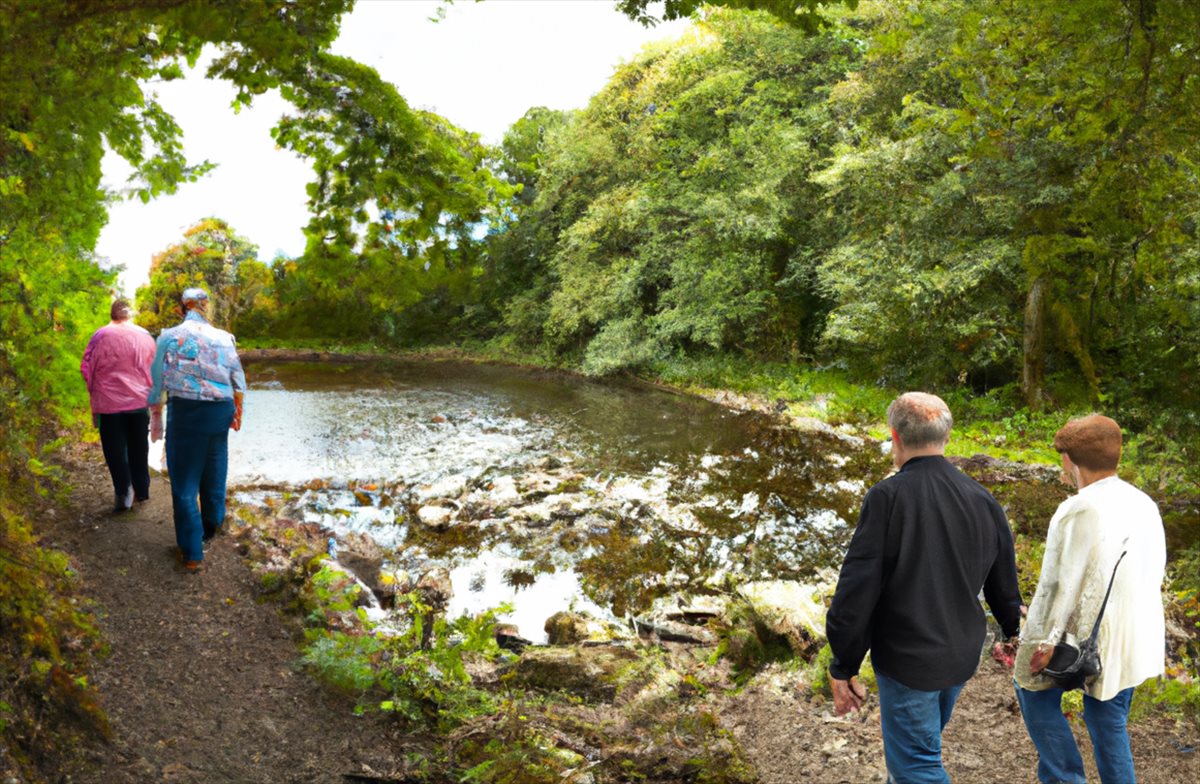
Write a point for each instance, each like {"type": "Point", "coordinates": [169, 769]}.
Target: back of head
{"type": "Point", "coordinates": [1092, 442]}
{"type": "Point", "coordinates": [194, 298]}
{"type": "Point", "coordinates": [920, 420]}
{"type": "Point", "coordinates": [120, 310]}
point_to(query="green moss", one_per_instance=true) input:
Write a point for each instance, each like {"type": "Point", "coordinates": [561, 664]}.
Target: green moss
{"type": "Point", "coordinates": [747, 643]}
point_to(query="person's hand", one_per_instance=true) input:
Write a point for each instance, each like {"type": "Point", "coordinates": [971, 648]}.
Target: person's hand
{"type": "Point", "coordinates": [847, 695]}
{"type": "Point", "coordinates": [1005, 653]}
{"type": "Point", "coordinates": [1041, 657]}
{"type": "Point", "coordinates": [156, 424]}
{"type": "Point", "coordinates": [236, 424]}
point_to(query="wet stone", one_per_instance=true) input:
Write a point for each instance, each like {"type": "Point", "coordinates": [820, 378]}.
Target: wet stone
{"type": "Point", "coordinates": [435, 517]}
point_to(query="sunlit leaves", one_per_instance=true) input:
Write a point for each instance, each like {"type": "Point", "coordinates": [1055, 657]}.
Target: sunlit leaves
{"type": "Point", "coordinates": [1041, 131]}
{"type": "Point", "coordinates": [668, 212]}
{"type": "Point", "coordinates": [216, 258]}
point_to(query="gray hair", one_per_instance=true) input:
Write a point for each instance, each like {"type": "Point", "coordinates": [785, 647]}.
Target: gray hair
{"type": "Point", "coordinates": [920, 419]}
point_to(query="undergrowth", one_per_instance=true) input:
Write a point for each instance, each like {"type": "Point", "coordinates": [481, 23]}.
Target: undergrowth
{"type": "Point", "coordinates": [48, 643]}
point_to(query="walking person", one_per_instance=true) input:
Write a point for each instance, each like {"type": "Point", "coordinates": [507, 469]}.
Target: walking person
{"type": "Point", "coordinates": [196, 367]}
{"type": "Point", "coordinates": [928, 539]}
{"type": "Point", "coordinates": [116, 369]}
{"type": "Point", "coordinates": [1110, 532]}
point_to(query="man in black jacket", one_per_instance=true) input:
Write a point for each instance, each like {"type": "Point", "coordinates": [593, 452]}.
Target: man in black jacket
{"type": "Point", "coordinates": [928, 539]}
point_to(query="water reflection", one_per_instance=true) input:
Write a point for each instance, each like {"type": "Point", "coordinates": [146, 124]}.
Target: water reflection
{"type": "Point", "coordinates": [642, 493]}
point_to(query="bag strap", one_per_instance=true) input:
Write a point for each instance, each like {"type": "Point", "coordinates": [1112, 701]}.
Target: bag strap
{"type": "Point", "coordinates": [1111, 580]}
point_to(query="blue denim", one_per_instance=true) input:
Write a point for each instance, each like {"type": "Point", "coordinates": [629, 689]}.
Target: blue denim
{"type": "Point", "coordinates": [912, 723]}
{"type": "Point", "coordinates": [1059, 761]}
{"type": "Point", "coordinates": [197, 452]}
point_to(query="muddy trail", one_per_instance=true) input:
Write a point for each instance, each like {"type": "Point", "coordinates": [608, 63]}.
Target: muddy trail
{"type": "Point", "coordinates": [202, 683]}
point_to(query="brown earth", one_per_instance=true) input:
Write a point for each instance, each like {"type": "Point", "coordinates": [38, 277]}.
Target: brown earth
{"type": "Point", "coordinates": [793, 739]}
{"type": "Point", "coordinates": [202, 684]}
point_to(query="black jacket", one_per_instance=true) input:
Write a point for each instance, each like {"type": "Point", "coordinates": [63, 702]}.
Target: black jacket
{"type": "Point", "coordinates": [928, 538]}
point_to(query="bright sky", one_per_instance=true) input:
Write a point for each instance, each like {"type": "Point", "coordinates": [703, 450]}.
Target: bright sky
{"type": "Point", "coordinates": [481, 67]}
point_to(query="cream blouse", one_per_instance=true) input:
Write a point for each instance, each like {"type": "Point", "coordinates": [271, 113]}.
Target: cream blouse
{"type": "Point", "coordinates": [1087, 535]}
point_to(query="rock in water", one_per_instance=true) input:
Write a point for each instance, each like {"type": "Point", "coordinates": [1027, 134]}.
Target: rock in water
{"type": "Point", "coordinates": [436, 517]}
{"type": "Point", "coordinates": [790, 609]}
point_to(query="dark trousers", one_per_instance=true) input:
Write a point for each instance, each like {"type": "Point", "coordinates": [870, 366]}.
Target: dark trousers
{"type": "Point", "coordinates": [123, 437]}
{"type": "Point", "coordinates": [197, 451]}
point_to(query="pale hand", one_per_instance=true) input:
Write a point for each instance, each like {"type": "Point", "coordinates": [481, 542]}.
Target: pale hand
{"type": "Point", "coordinates": [847, 695]}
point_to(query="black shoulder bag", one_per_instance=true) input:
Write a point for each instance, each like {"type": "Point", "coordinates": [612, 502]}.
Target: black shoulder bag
{"type": "Point", "coordinates": [1071, 667]}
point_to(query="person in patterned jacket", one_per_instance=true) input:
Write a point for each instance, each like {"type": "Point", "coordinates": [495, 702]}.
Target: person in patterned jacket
{"type": "Point", "coordinates": [197, 371]}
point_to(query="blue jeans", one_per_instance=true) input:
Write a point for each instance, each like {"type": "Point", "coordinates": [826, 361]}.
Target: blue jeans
{"type": "Point", "coordinates": [197, 451]}
{"type": "Point", "coordinates": [912, 723]}
{"type": "Point", "coordinates": [1058, 755]}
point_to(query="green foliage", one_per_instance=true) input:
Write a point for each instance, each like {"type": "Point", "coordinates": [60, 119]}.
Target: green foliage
{"type": "Point", "coordinates": [418, 674]}
{"type": "Point", "coordinates": [74, 78]}
{"type": "Point", "coordinates": [817, 674]}
{"type": "Point", "coordinates": [514, 749]}
{"type": "Point", "coordinates": [804, 14]}
{"type": "Point", "coordinates": [1175, 696]}
{"type": "Point", "coordinates": [217, 259]}
{"type": "Point", "coordinates": [667, 214]}
{"type": "Point", "coordinates": [748, 644]}
{"type": "Point", "coordinates": [47, 646]}
{"type": "Point", "coordinates": [345, 661]}
{"type": "Point", "coordinates": [1009, 192]}
{"type": "Point", "coordinates": [398, 196]}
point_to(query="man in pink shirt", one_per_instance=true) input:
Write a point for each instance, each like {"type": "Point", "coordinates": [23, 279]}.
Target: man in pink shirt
{"type": "Point", "coordinates": [116, 367]}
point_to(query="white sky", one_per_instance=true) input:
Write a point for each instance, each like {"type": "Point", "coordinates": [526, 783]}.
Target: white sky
{"type": "Point", "coordinates": [481, 67]}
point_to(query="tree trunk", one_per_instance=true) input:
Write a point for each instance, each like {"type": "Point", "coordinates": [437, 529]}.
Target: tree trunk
{"type": "Point", "coordinates": [1034, 370]}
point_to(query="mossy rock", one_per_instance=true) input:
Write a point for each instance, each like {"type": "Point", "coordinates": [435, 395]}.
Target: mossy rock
{"type": "Point", "coordinates": [594, 673]}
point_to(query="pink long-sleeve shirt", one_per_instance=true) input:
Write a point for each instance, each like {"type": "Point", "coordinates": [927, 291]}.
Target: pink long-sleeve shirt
{"type": "Point", "coordinates": [116, 367]}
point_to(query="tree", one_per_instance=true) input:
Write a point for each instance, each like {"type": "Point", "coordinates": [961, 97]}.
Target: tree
{"type": "Point", "coordinates": [215, 258]}
{"type": "Point", "coordinates": [1027, 172]}
{"type": "Point", "coordinates": [805, 14]}
{"type": "Point", "coordinates": [675, 212]}
{"type": "Point", "coordinates": [397, 198]}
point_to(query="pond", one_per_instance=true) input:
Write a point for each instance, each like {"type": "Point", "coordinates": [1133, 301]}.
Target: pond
{"type": "Point", "coordinates": [545, 490]}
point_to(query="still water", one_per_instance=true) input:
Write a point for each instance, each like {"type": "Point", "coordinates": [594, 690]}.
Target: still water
{"type": "Point", "coordinates": [650, 493]}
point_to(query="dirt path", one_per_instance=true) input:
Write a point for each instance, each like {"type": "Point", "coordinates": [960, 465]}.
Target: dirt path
{"type": "Point", "coordinates": [201, 684]}
{"type": "Point", "coordinates": [790, 739]}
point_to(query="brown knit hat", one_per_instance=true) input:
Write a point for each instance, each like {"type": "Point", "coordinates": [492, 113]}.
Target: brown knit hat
{"type": "Point", "coordinates": [1092, 442]}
